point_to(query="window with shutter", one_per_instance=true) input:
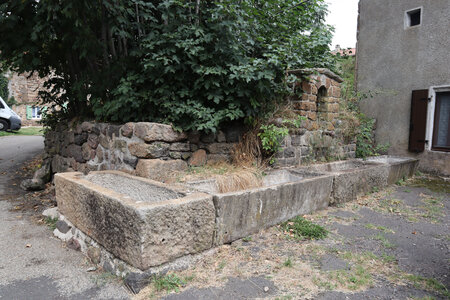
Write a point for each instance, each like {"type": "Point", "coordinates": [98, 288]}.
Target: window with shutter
{"type": "Point", "coordinates": [29, 112]}
{"type": "Point", "coordinates": [441, 128]}
{"type": "Point", "coordinates": [417, 127]}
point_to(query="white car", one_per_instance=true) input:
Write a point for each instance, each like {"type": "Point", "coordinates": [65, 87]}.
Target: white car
{"type": "Point", "coordinates": [9, 120]}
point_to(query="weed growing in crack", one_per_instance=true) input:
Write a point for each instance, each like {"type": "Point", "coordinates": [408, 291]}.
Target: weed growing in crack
{"type": "Point", "coordinates": [301, 229]}
{"type": "Point", "coordinates": [353, 279]}
{"type": "Point", "coordinates": [170, 283]}
{"type": "Point", "coordinates": [51, 222]}
{"type": "Point", "coordinates": [388, 258]}
{"type": "Point", "coordinates": [384, 241]}
{"type": "Point", "coordinates": [247, 239]}
{"type": "Point", "coordinates": [428, 283]}
{"type": "Point", "coordinates": [378, 227]}
{"type": "Point", "coordinates": [288, 263]}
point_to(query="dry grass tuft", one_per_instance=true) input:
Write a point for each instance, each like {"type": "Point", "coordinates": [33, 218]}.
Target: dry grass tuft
{"type": "Point", "coordinates": [248, 152]}
{"type": "Point", "coordinates": [240, 180]}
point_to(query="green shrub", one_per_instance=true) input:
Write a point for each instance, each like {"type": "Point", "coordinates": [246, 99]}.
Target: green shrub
{"type": "Point", "coordinates": [196, 64]}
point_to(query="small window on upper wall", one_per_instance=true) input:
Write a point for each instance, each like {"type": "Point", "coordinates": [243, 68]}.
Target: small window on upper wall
{"type": "Point", "coordinates": [413, 17]}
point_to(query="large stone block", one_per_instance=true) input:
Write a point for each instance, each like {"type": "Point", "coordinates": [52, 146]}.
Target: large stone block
{"type": "Point", "coordinates": [353, 178]}
{"type": "Point", "coordinates": [150, 132]}
{"type": "Point", "coordinates": [153, 150]}
{"type": "Point", "coordinates": [142, 222]}
{"type": "Point", "coordinates": [399, 167]}
{"type": "Point", "coordinates": [158, 169]}
{"type": "Point", "coordinates": [284, 195]}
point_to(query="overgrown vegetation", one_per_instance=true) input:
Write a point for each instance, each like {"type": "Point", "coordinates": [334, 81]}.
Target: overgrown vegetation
{"type": "Point", "coordinates": [196, 64]}
{"type": "Point", "coordinates": [4, 93]}
{"type": "Point", "coordinates": [300, 228]}
{"type": "Point", "coordinates": [171, 282]}
{"type": "Point", "coordinates": [272, 135]}
{"type": "Point", "coordinates": [356, 124]}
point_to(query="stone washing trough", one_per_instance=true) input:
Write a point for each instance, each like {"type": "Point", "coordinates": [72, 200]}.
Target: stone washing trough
{"type": "Point", "coordinates": [140, 221]}
{"type": "Point", "coordinates": [151, 225]}
{"type": "Point", "coordinates": [352, 178]}
{"type": "Point", "coordinates": [283, 195]}
{"type": "Point", "coordinates": [399, 167]}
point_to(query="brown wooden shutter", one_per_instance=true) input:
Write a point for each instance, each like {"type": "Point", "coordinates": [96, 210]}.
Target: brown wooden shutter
{"type": "Point", "coordinates": [417, 126]}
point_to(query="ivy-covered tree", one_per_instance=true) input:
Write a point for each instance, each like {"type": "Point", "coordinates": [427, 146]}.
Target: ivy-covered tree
{"type": "Point", "coordinates": [193, 63]}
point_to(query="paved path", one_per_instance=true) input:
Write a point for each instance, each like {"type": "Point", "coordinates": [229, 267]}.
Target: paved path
{"type": "Point", "coordinates": [45, 269]}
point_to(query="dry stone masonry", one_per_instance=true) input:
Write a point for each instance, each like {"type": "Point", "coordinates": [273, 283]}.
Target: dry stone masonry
{"type": "Point", "coordinates": [153, 150]}
{"type": "Point", "coordinates": [149, 150]}
{"type": "Point", "coordinates": [316, 96]}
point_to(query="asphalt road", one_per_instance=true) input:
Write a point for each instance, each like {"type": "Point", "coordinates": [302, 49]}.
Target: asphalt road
{"type": "Point", "coordinates": [34, 264]}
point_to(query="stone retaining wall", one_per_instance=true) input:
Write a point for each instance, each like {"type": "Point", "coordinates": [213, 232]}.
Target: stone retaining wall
{"type": "Point", "coordinates": [152, 150]}
{"type": "Point", "coordinates": [131, 147]}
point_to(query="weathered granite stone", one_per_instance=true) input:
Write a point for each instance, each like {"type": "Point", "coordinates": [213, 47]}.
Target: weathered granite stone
{"type": "Point", "coordinates": [239, 214]}
{"type": "Point", "coordinates": [185, 155]}
{"type": "Point", "coordinates": [86, 126]}
{"type": "Point", "coordinates": [175, 155]}
{"type": "Point", "coordinates": [75, 151]}
{"type": "Point", "coordinates": [80, 139]}
{"type": "Point", "coordinates": [220, 148]}
{"type": "Point", "coordinates": [100, 154]}
{"type": "Point", "coordinates": [62, 226]}
{"type": "Point", "coordinates": [180, 147]}
{"type": "Point", "coordinates": [153, 150]}
{"type": "Point", "coordinates": [127, 129]}
{"type": "Point", "coordinates": [120, 145]}
{"type": "Point", "coordinates": [130, 160]}
{"type": "Point", "coordinates": [142, 233]}
{"type": "Point", "coordinates": [217, 158]}
{"type": "Point", "coordinates": [32, 185]}
{"type": "Point", "coordinates": [68, 138]}
{"type": "Point", "coordinates": [113, 130]}
{"type": "Point", "coordinates": [87, 152]}
{"type": "Point", "coordinates": [59, 164]}
{"type": "Point", "coordinates": [198, 158]}
{"type": "Point", "coordinates": [74, 244]}
{"type": "Point", "coordinates": [158, 169]}
{"type": "Point", "coordinates": [150, 132]}
{"type": "Point", "coordinates": [93, 141]}
{"type": "Point", "coordinates": [94, 254]}
{"type": "Point", "coordinates": [104, 141]}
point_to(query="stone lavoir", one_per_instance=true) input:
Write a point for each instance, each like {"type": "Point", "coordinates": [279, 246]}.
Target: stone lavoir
{"type": "Point", "coordinates": [138, 227]}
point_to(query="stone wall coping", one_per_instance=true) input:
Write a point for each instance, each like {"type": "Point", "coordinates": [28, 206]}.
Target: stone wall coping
{"type": "Point", "coordinates": [323, 71]}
